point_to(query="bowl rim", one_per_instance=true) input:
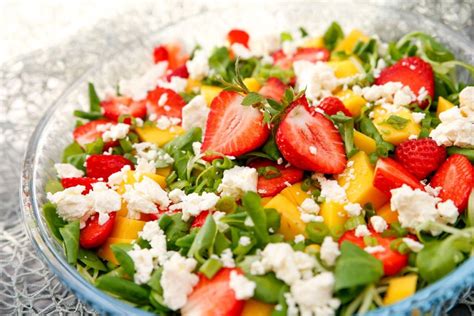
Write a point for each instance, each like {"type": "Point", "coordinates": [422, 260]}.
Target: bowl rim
{"type": "Point", "coordinates": [439, 292]}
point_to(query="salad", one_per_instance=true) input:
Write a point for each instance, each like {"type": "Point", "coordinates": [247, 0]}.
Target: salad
{"type": "Point", "coordinates": [278, 174]}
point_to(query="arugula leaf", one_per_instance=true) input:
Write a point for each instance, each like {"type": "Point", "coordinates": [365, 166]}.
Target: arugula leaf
{"type": "Point", "coordinates": [303, 31]}
{"type": "Point", "coordinates": [155, 280]}
{"type": "Point", "coordinates": [128, 290]}
{"type": "Point", "coordinates": [466, 152]}
{"type": "Point", "coordinates": [219, 60]}
{"type": "Point", "coordinates": [367, 127]}
{"type": "Point", "coordinates": [87, 115]}
{"type": "Point", "coordinates": [267, 288]}
{"type": "Point", "coordinates": [285, 36]}
{"type": "Point", "coordinates": [251, 204]}
{"type": "Point", "coordinates": [210, 267]}
{"type": "Point", "coordinates": [70, 236]}
{"type": "Point", "coordinates": [355, 267]}
{"type": "Point", "coordinates": [126, 262]}
{"type": "Point", "coordinates": [71, 150]}
{"type": "Point", "coordinates": [175, 229]}
{"type": "Point", "coordinates": [53, 220]}
{"type": "Point", "coordinates": [427, 123]}
{"type": "Point", "coordinates": [345, 126]}
{"type": "Point", "coordinates": [91, 260]}
{"type": "Point", "coordinates": [265, 71]}
{"type": "Point", "coordinates": [94, 101]}
{"type": "Point", "coordinates": [397, 122]}
{"type": "Point", "coordinates": [77, 161]}
{"type": "Point", "coordinates": [252, 98]}
{"type": "Point", "coordinates": [333, 35]}
{"type": "Point", "coordinates": [204, 241]}
{"type": "Point", "coordinates": [96, 147]}
{"type": "Point", "coordinates": [271, 149]}
{"type": "Point", "coordinates": [185, 141]}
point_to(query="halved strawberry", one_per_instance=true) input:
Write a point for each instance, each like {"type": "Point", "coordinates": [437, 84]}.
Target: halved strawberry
{"type": "Point", "coordinates": [332, 105]}
{"type": "Point", "coordinates": [88, 133]}
{"type": "Point", "coordinates": [176, 56]}
{"type": "Point", "coordinates": [413, 72]}
{"type": "Point", "coordinates": [238, 36]}
{"type": "Point", "coordinates": [200, 219]}
{"type": "Point", "coordinates": [456, 179]}
{"type": "Point", "coordinates": [118, 106]}
{"type": "Point", "coordinates": [389, 175]}
{"type": "Point", "coordinates": [160, 53]}
{"type": "Point", "coordinates": [165, 102]}
{"type": "Point", "coordinates": [72, 182]}
{"type": "Point", "coordinates": [102, 166]}
{"type": "Point", "coordinates": [93, 234]}
{"type": "Point", "coordinates": [272, 185]}
{"type": "Point", "coordinates": [213, 297]}
{"type": "Point", "coordinates": [311, 54]}
{"type": "Point", "coordinates": [181, 72]}
{"type": "Point", "coordinates": [274, 89]}
{"type": "Point", "coordinates": [310, 141]}
{"type": "Point", "coordinates": [233, 129]}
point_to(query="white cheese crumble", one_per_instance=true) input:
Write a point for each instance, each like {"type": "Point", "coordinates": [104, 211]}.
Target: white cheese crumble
{"type": "Point", "coordinates": [413, 245]}
{"type": "Point", "coordinates": [165, 122]}
{"type": "Point", "coordinates": [330, 189]}
{"type": "Point", "coordinates": [313, 150]}
{"type": "Point", "coordinates": [418, 116]}
{"type": "Point", "coordinates": [237, 181]}
{"type": "Point", "coordinates": [299, 238]}
{"type": "Point", "coordinates": [362, 231]}
{"type": "Point", "coordinates": [378, 224]}
{"type": "Point", "coordinates": [374, 249]}
{"type": "Point", "coordinates": [466, 101]}
{"type": "Point", "coordinates": [242, 287]}
{"type": "Point", "coordinates": [104, 201]}
{"type": "Point", "coordinates": [318, 79]}
{"type": "Point", "coordinates": [193, 204]}
{"type": "Point", "coordinates": [176, 83]}
{"type": "Point", "coordinates": [138, 87]}
{"type": "Point", "coordinates": [353, 209]}
{"type": "Point", "coordinates": [66, 170]}
{"type": "Point", "coordinates": [227, 258]}
{"type": "Point", "coordinates": [195, 113]}
{"type": "Point", "coordinates": [455, 129]}
{"type": "Point", "coordinates": [71, 204]}
{"type": "Point", "coordinates": [112, 132]}
{"type": "Point", "coordinates": [244, 241]}
{"type": "Point", "coordinates": [264, 44]}
{"type": "Point", "coordinates": [115, 179]}
{"type": "Point", "coordinates": [391, 96]}
{"type": "Point", "coordinates": [198, 67]}
{"type": "Point", "coordinates": [329, 251]}
{"type": "Point", "coordinates": [143, 197]}
{"type": "Point", "coordinates": [309, 211]}
{"type": "Point", "coordinates": [144, 166]}
{"type": "Point", "coordinates": [241, 51]}
{"type": "Point", "coordinates": [221, 226]}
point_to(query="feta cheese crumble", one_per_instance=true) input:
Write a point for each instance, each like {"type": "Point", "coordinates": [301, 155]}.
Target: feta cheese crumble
{"type": "Point", "coordinates": [193, 204]}
{"type": "Point", "coordinates": [455, 129]}
{"type": "Point", "coordinates": [378, 224]}
{"type": "Point", "coordinates": [237, 181]}
{"type": "Point", "coordinates": [362, 231]}
{"type": "Point", "coordinates": [390, 96]}
{"type": "Point", "coordinates": [71, 204]}
{"type": "Point", "coordinates": [244, 241]}
{"type": "Point", "coordinates": [353, 209]}
{"type": "Point", "coordinates": [374, 249]}
{"type": "Point", "coordinates": [414, 245]}
{"type": "Point", "coordinates": [330, 189]}
{"type": "Point", "coordinates": [137, 88]}
{"type": "Point", "coordinates": [195, 113]}
{"type": "Point", "coordinates": [113, 132]}
{"type": "Point", "coordinates": [309, 211]}
{"type": "Point", "coordinates": [242, 287]}
{"type": "Point", "coordinates": [198, 67]}
{"type": "Point", "coordinates": [104, 201]}
{"type": "Point", "coordinates": [299, 238]}
{"type": "Point", "coordinates": [466, 101]}
{"type": "Point", "coordinates": [66, 170]}
{"type": "Point", "coordinates": [318, 79]}
{"type": "Point", "coordinates": [329, 251]}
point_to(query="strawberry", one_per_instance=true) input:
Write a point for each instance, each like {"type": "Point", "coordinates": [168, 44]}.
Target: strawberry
{"type": "Point", "coordinates": [456, 179]}
{"type": "Point", "coordinates": [309, 141]}
{"type": "Point", "coordinates": [238, 36]}
{"type": "Point", "coordinates": [213, 297]}
{"type": "Point", "coordinates": [311, 54]}
{"type": "Point", "coordinates": [102, 166]}
{"type": "Point", "coordinates": [181, 72]}
{"type": "Point", "coordinates": [115, 107]}
{"type": "Point", "coordinates": [389, 175]}
{"type": "Point", "coordinates": [88, 133]}
{"type": "Point", "coordinates": [200, 219]}
{"type": "Point", "coordinates": [413, 72]}
{"type": "Point", "coordinates": [332, 105]}
{"type": "Point", "coordinates": [233, 129]}
{"type": "Point", "coordinates": [274, 89]}
{"type": "Point", "coordinates": [72, 182]}
{"type": "Point", "coordinates": [176, 57]}
{"type": "Point", "coordinates": [165, 102]}
{"type": "Point", "coordinates": [93, 234]}
{"type": "Point", "coordinates": [420, 156]}
{"type": "Point", "coordinates": [160, 53]}
{"type": "Point", "coordinates": [271, 186]}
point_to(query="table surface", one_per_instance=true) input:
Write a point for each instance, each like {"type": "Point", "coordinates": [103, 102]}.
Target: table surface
{"type": "Point", "coordinates": [31, 82]}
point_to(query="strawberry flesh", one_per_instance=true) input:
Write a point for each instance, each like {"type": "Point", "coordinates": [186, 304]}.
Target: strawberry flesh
{"type": "Point", "coordinates": [165, 102]}
{"type": "Point", "coordinates": [200, 219]}
{"type": "Point", "coordinates": [93, 234]}
{"type": "Point", "coordinates": [389, 175]}
{"type": "Point", "coordinates": [88, 133]}
{"type": "Point", "coordinates": [238, 36]}
{"type": "Point", "coordinates": [160, 53]}
{"type": "Point", "coordinates": [274, 89]}
{"type": "Point", "coordinates": [332, 105]}
{"type": "Point", "coordinates": [102, 166]}
{"type": "Point", "coordinates": [116, 107]}
{"type": "Point", "coordinates": [72, 182]}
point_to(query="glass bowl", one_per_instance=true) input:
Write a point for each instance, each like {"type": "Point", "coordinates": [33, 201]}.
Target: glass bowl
{"type": "Point", "coordinates": [53, 132]}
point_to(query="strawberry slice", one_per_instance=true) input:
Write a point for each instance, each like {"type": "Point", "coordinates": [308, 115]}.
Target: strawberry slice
{"type": "Point", "coordinates": [332, 105]}
{"type": "Point", "coordinates": [88, 133]}
{"type": "Point", "coordinates": [233, 129]}
{"type": "Point", "coordinates": [176, 57]}
{"type": "Point", "coordinates": [93, 234]}
{"type": "Point", "coordinates": [102, 166]}
{"type": "Point", "coordinates": [413, 72]}
{"type": "Point", "coordinates": [181, 72]}
{"type": "Point", "coordinates": [311, 54]}
{"type": "Point", "coordinates": [271, 185]}
{"type": "Point", "coordinates": [165, 102]}
{"type": "Point", "coordinates": [456, 179]}
{"type": "Point", "coordinates": [72, 182]}
{"type": "Point", "coordinates": [118, 106]}
{"type": "Point", "coordinates": [238, 36]}
{"type": "Point", "coordinates": [200, 219]}
{"type": "Point", "coordinates": [213, 297]}
{"type": "Point", "coordinates": [389, 175]}
{"type": "Point", "coordinates": [309, 141]}
{"type": "Point", "coordinates": [160, 53]}
{"type": "Point", "coordinates": [274, 89]}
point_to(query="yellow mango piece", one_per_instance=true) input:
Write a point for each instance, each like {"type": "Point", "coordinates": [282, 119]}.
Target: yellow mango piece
{"type": "Point", "coordinates": [353, 102]}
{"type": "Point", "coordinates": [364, 142]}
{"type": "Point", "coordinates": [210, 92]}
{"type": "Point", "coordinates": [164, 171]}
{"type": "Point", "coordinates": [316, 42]}
{"type": "Point", "coordinates": [192, 85]}
{"type": "Point", "coordinates": [345, 68]}
{"type": "Point", "coordinates": [443, 105]}
{"type": "Point", "coordinates": [358, 179]}
{"type": "Point", "coordinates": [252, 84]}
{"type": "Point", "coordinates": [291, 223]}
{"type": "Point", "coordinates": [387, 214]}
{"type": "Point", "coordinates": [256, 308]}
{"type": "Point", "coordinates": [158, 136]}
{"type": "Point", "coordinates": [126, 228]}
{"type": "Point", "coordinates": [349, 42]}
{"type": "Point", "coordinates": [400, 288]}
{"type": "Point", "coordinates": [390, 133]}
{"type": "Point", "coordinates": [130, 179]}
{"type": "Point", "coordinates": [106, 253]}
{"type": "Point", "coordinates": [312, 249]}
{"type": "Point", "coordinates": [295, 194]}
{"type": "Point", "coordinates": [334, 216]}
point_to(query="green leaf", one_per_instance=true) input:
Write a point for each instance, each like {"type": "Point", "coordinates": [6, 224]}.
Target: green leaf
{"type": "Point", "coordinates": [251, 204]}
{"type": "Point", "coordinates": [175, 229]}
{"type": "Point", "coordinates": [268, 287]}
{"type": "Point", "coordinates": [96, 147]}
{"type": "Point", "coordinates": [345, 126]}
{"type": "Point", "coordinates": [94, 101]}
{"type": "Point", "coordinates": [252, 98]}
{"type": "Point", "coordinates": [126, 145]}
{"type": "Point", "coordinates": [368, 128]}
{"type": "Point", "coordinates": [285, 36]}
{"type": "Point", "coordinates": [466, 152]}
{"type": "Point", "coordinates": [155, 280]}
{"type": "Point", "coordinates": [204, 241]}
{"type": "Point", "coordinates": [271, 149]}
{"type": "Point", "coordinates": [355, 267]}
{"type": "Point", "coordinates": [126, 262]}
{"type": "Point", "coordinates": [333, 35]}
{"type": "Point", "coordinates": [53, 186]}
{"type": "Point", "coordinates": [77, 161]}
{"type": "Point", "coordinates": [53, 220]}
{"type": "Point", "coordinates": [70, 236]}
{"type": "Point", "coordinates": [219, 60]}
{"type": "Point", "coordinates": [210, 267]}
{"type": "Point", "coordinates": [397, 122]}
{"type": "Point", "coordinates": [185, 141]}
{"type": "Point", "coordinates": [91, 260]}
{"type": "Point", "coordinates": [87, 115]}
{"type": "Point", "coordinates": [125, 289]}
{"type": "Point", "coordinates": [303, 31]}
{"type": "Point", "coordinates": [71, 150]}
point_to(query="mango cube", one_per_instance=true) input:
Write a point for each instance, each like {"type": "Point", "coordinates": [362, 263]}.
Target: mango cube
{"type": "Point", "coordinates": [192, 85]}
{"type": "Point", "coordinates": [106, 253]}
{"type": "Point", "coordinates": [256, 308]}
{"type": "Point", "coordinates": [163, 171]}
{"type": "Point", "coordinates": [358, 179]}
{"type": "Point", "coordinates": [316, 42]}
{"type": "Point", "coordinates": [350, 41]}
{"type": "Point", "coordinates": [387, 214]}
{"type": "Point", "coordinates": [158, 136]}
{"type": "Point", "coordinates": [353, 102]}
{"type": "Point", "coordinates": [443, 105]}
{"type": "Point", "coordinates": [334, 216]}
{"type": "Point", "coordinates": [365, 143]}
{"type": "Point", "coordinates": [345, 68]}
{"type": "Point", "coordinates": [210, 92]}
{"type": "Point", "coordinates": [252, 84]}
{"type": "Point", "coordinates": [295, 194]}
{"type": "Point", "coordinates": [291, 223]}
{"type": "Point", "coordinates": [389, 132]}
{"type": "Point", "coordinates": [400, 288]}
{"type": "Point", "coordinates": [126, 228]}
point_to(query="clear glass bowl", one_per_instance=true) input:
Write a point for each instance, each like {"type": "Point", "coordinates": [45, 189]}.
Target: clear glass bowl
{"type": "Point", "coordinates": [53, 132]}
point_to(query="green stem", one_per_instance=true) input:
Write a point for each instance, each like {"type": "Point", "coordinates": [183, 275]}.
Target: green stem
{"type": "Point", "coordinates": [367, 301]}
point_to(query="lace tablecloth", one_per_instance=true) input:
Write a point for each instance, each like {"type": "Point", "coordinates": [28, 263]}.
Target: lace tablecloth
{"type": "Point", "coordinates": [28, 85]}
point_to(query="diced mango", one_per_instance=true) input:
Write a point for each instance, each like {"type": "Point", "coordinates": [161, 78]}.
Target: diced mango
{"type": "Point", "coordinates": [353, 102]}
{"type": "Point", "coordinates": [390, 133]}
{"type": "Point", "coordinates": [443, 105]}
{"type": "Point", "coordinates": [400, 288]}
{"type": "Point", "coordinates": [295, 194]}
{"type": "Point", "coordinates": [106, 253]}
{"type": "Point", "coordinates": [163, 171]}
{"type": "Point", "coordinates": [291, 223]}
{"type": "Point", "coordinates": [265, 200]}
{"type": "Point", "coordinates": [350, 41]}
{"type": "Point", "coordinates": [126, 228]}
{"type": "Point", "coordinates": [358, 182]}
{"type": "Point", "coordinates": [192, 85]}
{"type": "Point", "coordinates": [345, 68]}
{"type": "Point", "coordinates": [312, 249]}
{"type": "Point", "coordinates": [256, 308]}
{"type": "Point", "coordinates": [131, 179]}
{"type": "Point", "coordinates": [158, 136]}
{"type": "Point", "coordinates": [252, 84]}
{"type": "Point", "coordinates": [210, 92]}
{"type": "Point", "coordinates": [316, 42]}
{"type": "Point", "coordinates": [334, 216]}
{"type": "Point", "coordinates": [387, 214]}
{"type": "Point", "coordinates": [364, 142]}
